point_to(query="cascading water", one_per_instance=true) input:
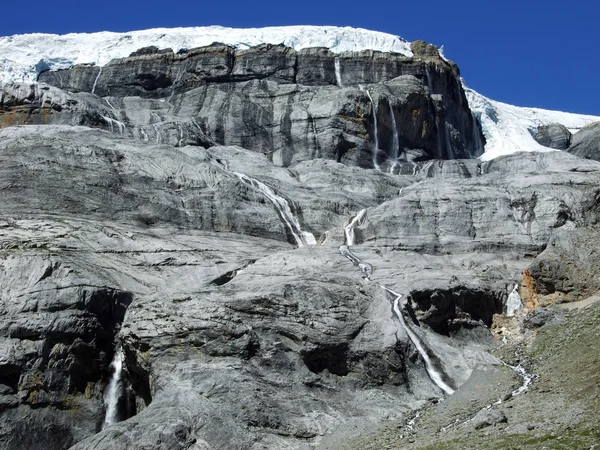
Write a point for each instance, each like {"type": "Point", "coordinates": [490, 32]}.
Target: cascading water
{"type": "Point", "coordinates": [338, 72]}
{"type": "Point", "coordinates": [112, 123]}
{"type": "Point", "coordinates": [96, 80]}
{"type": "Point", "coordinates": [440, 151]}
{"type": "Point", "coordinates": [433, 373]}
{"type": "Point", "coordinates": [477, 136]}
{"type": "Point", "coordinates": [364, 267]}
{"type": "Point", "coordinates": [316, 139]}
{"type": "Point", "coordinates": [395, 141]}
{"type": "Point", "coordinates": [449, 148]}
{"type": "Point", "coordinates": [349, 229]}
{"type": "Point", "coordinates": [302, 238]}
{"type": "Point", "coordinates": [114, 390]}
{"type": "Point", "coordinates": [428, 78]}
{"type": "Point", "coordinates": [514, 302]}
{"type": "Point", "coordinates": [375, 131]}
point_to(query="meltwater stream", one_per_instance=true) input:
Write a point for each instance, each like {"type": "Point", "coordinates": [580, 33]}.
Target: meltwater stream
{"type": "Point", "coordinates": [435, 375]}
{"type": "Point", "coordinates": [302, 238]}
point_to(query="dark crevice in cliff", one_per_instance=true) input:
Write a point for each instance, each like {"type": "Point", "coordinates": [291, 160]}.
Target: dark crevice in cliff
{"type": "Point", "coordinates": [332, 357]}
{"type": "Point", "coordinates": [230, 275]}
{"type": "Point", "coordinates": [136, 367]}
{"type": "Point", "coordinates": [448, 311]}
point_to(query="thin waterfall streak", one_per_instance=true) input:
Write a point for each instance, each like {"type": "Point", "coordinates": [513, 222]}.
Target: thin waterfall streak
{"type": "Point", "coordinates": [113, 392]}
{"type": "Point", "coordinates": [449, 148]}
{"type": "Point", "coordinates": [316, 139]}
{"type": "Point", "coordinates": [113, 122]}
{"type": "Point", "coordinates": [429, 83]}
{"type": "Point", "coordinates": [477, 136]}
{"type": "Point", "coordinates": [375, 131]}
{"type": "Point", "coordinates": [302, 238]}
{"type": "Point", "coordinates": [435, 376]}
{"type": "Point", "coordinates": [439, 138]}
{"type": "Point", "coordinates": [338, 72]}
{"type": "Point", "coordinates": [364, 267]}
{"type": "Point", "coordinates": [395, 139]}
{"type": "Point", "coordinates": [96, 80]}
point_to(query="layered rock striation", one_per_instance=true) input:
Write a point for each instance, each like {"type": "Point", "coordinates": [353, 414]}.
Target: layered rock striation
{"type": "Point", "coordinates": [151, 208]}
{"type": "Point", "coordinates": [291, 105]}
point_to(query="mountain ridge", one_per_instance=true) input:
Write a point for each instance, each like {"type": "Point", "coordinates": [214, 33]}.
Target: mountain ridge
{"type": "Point", "coordinates": [24, 57]}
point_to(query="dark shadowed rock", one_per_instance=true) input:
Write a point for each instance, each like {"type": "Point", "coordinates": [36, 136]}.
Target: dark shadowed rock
{"type": "Point", "coordinates": [542, 316]}
{"type": "Point", "coordinates": [554, 136]}
{"type": "Point", "coordinates": [586, 142]}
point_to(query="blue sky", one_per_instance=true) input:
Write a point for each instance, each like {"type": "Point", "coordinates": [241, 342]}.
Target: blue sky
{"type": "Point", "coordinates": [527, 52]}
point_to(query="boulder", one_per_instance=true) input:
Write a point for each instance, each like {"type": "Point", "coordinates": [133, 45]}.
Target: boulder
{"type": "Point", "coordinates": [555, 136]}
{"type": "Point", "coordinates": [586, 142]}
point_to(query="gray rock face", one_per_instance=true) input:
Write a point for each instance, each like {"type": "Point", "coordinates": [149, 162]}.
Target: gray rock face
{"type": "Point", "coordinates": [542, 316]}
{"type": "Point", "coordinates": [567, 266]}
{"type": "Point", "coordinates": [554, 136]}
{"type": "Point", "coordinates": [157, 216]}
{"type": "Point", "coordinates": [586, 142]}
{"type": "Point", "coordinates": [489, 417]}
{"type": "Point", "coordinates": [232, 336]}
{"type": "Point", "coordinates": [274, 100]}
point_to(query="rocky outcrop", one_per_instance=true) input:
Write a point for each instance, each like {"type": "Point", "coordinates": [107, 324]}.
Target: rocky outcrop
{"type": "Point", "coordinates": [586, 142]}
{"type": "Point", "coordinates": [212, 216]}
{"type": "Point", "coordinates": [362, 108]}
{"type": "Point", "coordinates": [554, 136]}
{"type": "Point", "coordinates": [230, 334]}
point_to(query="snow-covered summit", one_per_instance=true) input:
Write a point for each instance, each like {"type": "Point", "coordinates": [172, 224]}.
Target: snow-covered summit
{"type": "Point", "coordinates": [23, 56]}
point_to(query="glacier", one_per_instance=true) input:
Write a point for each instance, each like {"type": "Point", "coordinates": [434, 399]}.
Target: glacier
{"type": "Point", "coordinates": [506, 127]}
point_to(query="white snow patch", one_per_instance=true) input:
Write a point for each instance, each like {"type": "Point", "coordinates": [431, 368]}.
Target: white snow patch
{"type": "Point", "coordinates": [23, 57]}
{"type": "Point", "coordinates": [506, 127]}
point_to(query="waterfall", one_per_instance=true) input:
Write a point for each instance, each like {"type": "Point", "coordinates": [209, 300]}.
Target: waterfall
{"type": "Point", "coordinates": [338, 72]}
{"type": "Point", "coordinates": [527, 379]}
{"type": "Point", "coordinates": [112, 122]}
{"type": "Point", "coordinates": [395, 140]}
{"type": "Point", "coordinates": [440, 150]}
{"type": "Point", "coordinates": [477, 135]}
{"type": "Point", "coordinates": [514, 302]}
{"type": "Point", "coordinates": [349, 229]}
{"type": "Point", "coordinates": [316, 139]}
{"type": "Point", "coordinates": [96, 80]}
{"type": "Point", "coordinates": [434, 374]}
{"type": "Point", "coordinates": [428, 77]}
{"type": "Point", "coordinates": [364, 267]}
{"type": "Point", "coordinates": [375, 138]}
{"type": "Point", "coordinates": [449, 148]}
{"type": "Point", "coordinates": [302, 237]}
{"type": "Point", "coordinates": [114, 390]}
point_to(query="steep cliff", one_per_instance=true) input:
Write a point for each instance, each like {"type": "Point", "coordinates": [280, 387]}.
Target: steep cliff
{"type": "Point", "coordinates": [362, 108]}
{"type": "Point", "coordinates": [213, 222]}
